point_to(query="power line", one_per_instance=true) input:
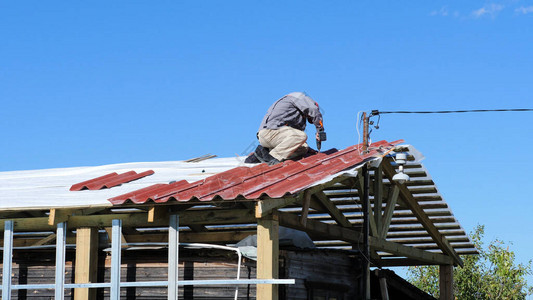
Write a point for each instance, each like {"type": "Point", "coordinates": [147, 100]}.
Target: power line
{"type": "Point", "coordinates": [377, 112]}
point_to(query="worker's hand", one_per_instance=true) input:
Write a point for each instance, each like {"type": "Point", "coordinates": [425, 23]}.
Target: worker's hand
{"type": "Point", "coordinates": [317, 137]}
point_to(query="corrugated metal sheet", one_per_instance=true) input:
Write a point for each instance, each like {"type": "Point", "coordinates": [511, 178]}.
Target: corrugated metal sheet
{"type": "Point", "coordinates": [262, 180]}
{"type": "Point", "coordinates": [109, 180]}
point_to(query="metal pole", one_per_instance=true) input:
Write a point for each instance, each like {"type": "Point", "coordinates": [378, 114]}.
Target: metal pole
{"type": "Point", "coordinates": [115, 259]}
{"type": "Point", "coordinates": [61, 236]}
{"type": "Point", "coordinates": [8, 259]}
{"type": "Point", "coordinates": [173, 248]}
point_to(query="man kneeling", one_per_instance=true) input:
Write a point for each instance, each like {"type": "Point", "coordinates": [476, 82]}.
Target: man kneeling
{"type": "Point", "coordinates": [282, 129]}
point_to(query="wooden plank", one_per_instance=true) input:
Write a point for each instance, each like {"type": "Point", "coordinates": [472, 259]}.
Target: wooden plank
{"type": "Point", "coordinates": [332, 210]}
{"type": "Point", "coordinates": [446, 282]}
{"type": "Point", "coordinates": [411, 202]}
{"type": "Point", "coordinates": [389, 209]}
{"type": "Point", "coordinates": [352, 236]}
{"type": "Point", "coordinates": [267, 257]}
{"type": "Point", "coordinates": [86, 261]}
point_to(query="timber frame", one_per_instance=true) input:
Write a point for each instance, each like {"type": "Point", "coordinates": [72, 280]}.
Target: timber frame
{"type": "Point", "coordinates": [409, 224]}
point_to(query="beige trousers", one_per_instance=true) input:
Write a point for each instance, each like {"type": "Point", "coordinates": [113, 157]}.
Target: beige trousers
{"type": "Point", "coordinates": [284, 143]}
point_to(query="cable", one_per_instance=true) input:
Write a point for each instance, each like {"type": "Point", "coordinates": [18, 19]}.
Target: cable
{"type": "Point", "coordinates": [376, 112]}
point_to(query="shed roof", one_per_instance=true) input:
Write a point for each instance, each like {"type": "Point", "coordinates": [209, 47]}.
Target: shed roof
{"type": "Point", "coordinates": [217, 194]}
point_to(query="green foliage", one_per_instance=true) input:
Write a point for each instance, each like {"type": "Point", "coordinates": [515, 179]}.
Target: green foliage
{"type": "Point", "coordinates": [492, 274]}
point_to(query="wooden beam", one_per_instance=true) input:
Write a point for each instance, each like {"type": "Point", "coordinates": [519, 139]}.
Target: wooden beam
{"type": "Point", "coordinates": [266, 206]}
{"type": "Point", "coordinates": [86, 262]}
{"type": "Point", "coordinates": [446, 282]}
{"type": "Point", "coordinates": [421, 216]}
{"type": "Point", "coordinates": [332, 210]}
{"type": "Point", "coordinates": [352, 236]}
{"type": "Point", "coordinates": [226, 237]}
{"type": "Point", "coordinates": [267, 257]}
{"type": "Point", "coordinates": [389, 210]}
{"type": "Point", "coordinates": [206, 217]}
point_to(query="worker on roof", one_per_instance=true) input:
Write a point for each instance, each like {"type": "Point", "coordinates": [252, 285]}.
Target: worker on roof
{"type": "Point", "coordinates": [282, 129]}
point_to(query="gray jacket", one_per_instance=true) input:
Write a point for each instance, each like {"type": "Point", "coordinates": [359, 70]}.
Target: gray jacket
{"type": "Point", "coordinates": [292, 110]}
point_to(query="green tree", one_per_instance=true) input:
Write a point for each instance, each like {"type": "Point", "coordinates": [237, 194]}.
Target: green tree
{"type": "Point", "coordinates": [493, 274]}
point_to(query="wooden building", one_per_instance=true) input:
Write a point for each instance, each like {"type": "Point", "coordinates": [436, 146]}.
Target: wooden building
{"type": "Point", "coordinates": [138, 231]}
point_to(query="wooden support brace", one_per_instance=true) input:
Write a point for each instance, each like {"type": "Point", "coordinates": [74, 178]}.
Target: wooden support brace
{"type": "Point", "coordinates": [305, 207]}
{"type": "Point", "coordinates": [332, 210]}
{"type": "Point", "coordinates": [389, 210]}
{"type": "Point", "coordinates": [123, 242]}
{"type": "Point", "coordinates": [45, 240]}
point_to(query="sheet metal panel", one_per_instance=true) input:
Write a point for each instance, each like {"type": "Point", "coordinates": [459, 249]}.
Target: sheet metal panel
{"type": "Point", "coordinates": [109, 180]}
{"type": "Point", "coordinates": [261, 180]}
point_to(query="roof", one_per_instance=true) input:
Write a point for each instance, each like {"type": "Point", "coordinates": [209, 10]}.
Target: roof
{"type": "Point", "coordinates": [284, 179]}
{"type": "Point", "coordinates": [223, 186]}
{"type": "Point", "coordinates": [50, 188]}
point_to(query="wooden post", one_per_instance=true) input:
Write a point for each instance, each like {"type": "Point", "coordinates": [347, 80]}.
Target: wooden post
{"type": "Point", "coordinates": [86, 261]}
{"type": "Point", "coordinates": [446, 282]}
{"type": "Point", "coordinates": [267, 256]}
{"type": "Point", "coordinates": [365, 133]}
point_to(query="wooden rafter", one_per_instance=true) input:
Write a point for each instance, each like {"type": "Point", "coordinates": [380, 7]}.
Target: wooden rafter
{"type": "Point", "coordinates": [421, 216]}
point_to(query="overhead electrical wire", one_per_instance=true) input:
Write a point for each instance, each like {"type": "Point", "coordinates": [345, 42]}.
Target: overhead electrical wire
{"type": "Point", "coordinates": [376, 112]}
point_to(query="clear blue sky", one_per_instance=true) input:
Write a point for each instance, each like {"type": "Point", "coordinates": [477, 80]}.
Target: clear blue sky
{"type": "Point", "coordinates": [106, 82]}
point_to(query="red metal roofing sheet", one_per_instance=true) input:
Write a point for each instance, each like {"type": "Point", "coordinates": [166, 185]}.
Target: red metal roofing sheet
{"type": "Point", "coordinates": [109, 180]}
{"type": "Point", "coordinates": [275, 181]}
